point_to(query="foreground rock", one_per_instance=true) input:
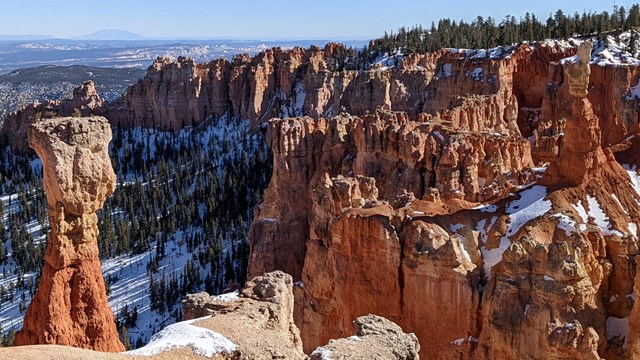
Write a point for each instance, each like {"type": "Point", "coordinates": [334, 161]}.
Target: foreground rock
{"type": "Point", "coordinates": [70, 306]}
{"type": "Point", "coordinates": [376, 338]}
{"type": "Point", "coordinates": [259, 321]}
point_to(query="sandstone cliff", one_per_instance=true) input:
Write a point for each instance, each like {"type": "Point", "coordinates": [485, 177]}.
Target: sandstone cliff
{"type": "Point", "coordinates": [310, 82]}
{"type": "Point", "coordinates": [70, 306]}
{"type": "Point", "coordinates": [469, 196]}
{"type": "Point", "coordinates": [442, 222]}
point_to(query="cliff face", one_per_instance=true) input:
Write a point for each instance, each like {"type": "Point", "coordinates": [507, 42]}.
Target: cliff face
{"type": "Point", "coordinates": [442, 222]}
{"type": "Point", "coordinates": [310, 82]}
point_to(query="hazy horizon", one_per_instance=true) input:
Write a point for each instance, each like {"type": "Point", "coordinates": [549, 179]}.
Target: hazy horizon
{"type": "Point", "coordinates": [258, 20]}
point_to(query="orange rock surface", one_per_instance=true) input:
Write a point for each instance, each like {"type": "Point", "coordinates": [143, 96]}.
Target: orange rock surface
{"type": "Point", "coordinates": [70, 306]}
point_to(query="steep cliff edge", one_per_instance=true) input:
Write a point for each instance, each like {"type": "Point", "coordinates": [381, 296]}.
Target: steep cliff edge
{"type": "Point", "coordinates": [442, 222]}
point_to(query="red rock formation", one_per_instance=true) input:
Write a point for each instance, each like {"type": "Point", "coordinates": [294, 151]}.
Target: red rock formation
{"type": "Point", "coordinates": [70, 306]}
{"type": "Point", "coordinates": [313, 82]}
{"type": "Point", "coordinates": [379, 213]}
{"type": "Point", "coordinates": [85, 102]}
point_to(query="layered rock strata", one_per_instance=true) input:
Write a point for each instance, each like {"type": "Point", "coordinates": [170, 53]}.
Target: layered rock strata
{"type": "Point", "coordinates": [444, 226]}
{"type": "Point", "coordinates": [70, 306]}
{"type": "Point", "coordinates": [316, 82]}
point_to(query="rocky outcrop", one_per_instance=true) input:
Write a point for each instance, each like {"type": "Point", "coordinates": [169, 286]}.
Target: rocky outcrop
{"type": "Point", "coordinates": [70, 306]}
{"type": "Point", "coordinates": [85, 102]}
{"type": "Point", "coordinates": [375, 338]}
{"type": "Point", "coordinates": [429, 160]}
{"type": "Point", "coordinates": [263, 310]}
{"type": "Point", "coordinates": [317, 82]}
{"type": "Point", "coordinates": [442, 223]}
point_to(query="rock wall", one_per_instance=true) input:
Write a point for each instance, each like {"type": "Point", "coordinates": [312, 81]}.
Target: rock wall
{"type": "Point", "coordinates": [442, 223]}
{"type": "Point", "coordinates": [70, 306]}
{"type": "Point", "coordinates": [310, 82]}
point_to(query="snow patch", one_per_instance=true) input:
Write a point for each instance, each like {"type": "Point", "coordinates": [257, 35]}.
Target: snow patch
{"type": "Point", "coordinates": [203, 342]}
{"type": "Point", "coordinates": [477, 74]}
{"type": "Point", "coordinates": [445, 71]}
{"type": "Point", "coordinates": [531, 205]}
{"type": "Point", "coordinates": [565, 223]}
{"type": "Point", "coordinates": [325, 354]}
{"type": "Point", "coordinates": [548, 278]}
{"type": "Point", "coordinates": [618, 327]}
{"type": "Point", "coordinates": [601, 219]}
{"type": "Point", "coordinates": [228, 297]}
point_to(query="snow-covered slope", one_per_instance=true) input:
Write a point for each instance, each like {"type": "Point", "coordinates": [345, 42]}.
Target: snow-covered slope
{"type": "Point", "coordinates": [207, 172]}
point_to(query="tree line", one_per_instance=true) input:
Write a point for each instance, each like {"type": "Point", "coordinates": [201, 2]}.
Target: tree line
{"type": "Point", "coordinates": [484, 33]}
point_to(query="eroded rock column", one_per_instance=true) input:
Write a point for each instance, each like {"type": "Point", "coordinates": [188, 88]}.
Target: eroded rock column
{"type": "Point", "coordinates": [70, 306]}
{"type": "Point", "coordinates": [580, 152]}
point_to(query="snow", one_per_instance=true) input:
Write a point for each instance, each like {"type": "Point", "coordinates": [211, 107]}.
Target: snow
{"type": "Point", "coordinates": [457, 342]}
{"type": "Point", "coordinates": [529, 206]}
{"type": "Point", "coordinates": [548, 278]}
{"type": "Point", "coordinates": [565, 223]}
{"type": "Point", "coordinates": [486, 208]}
{"type": "Point", "coordinates": [600, 218]}
{"type": "Point", "coordinates": [228, 297]}
{"type": "Point", "coordinates": [608, 51]}
{"type": "Point", "coordinates": [439, 135]}
{"type": "Point", "coordinates": [581, 211]}
{"type": "Point", "coordinates": [300, 95]}
{"type": "Point", "coordinates": [354, 338]}
{"type": "Point", "coordinates": [500, 52]}
{"type": "Point", "coordinates": [494, 256]}
{"type": "Point", "coordinates": [634, 91]}
{"type": "Point", "coordinates": [456, 227]}
{"type": "Point", "coordinates": [477, 74]}
{"type": "Point", "coordinates": [618, 327]}
{"type": "Point", "coordinates": [325, 354]}
{"type": "Point", "coordinates": [203, 342]}
{"type": "Point", "coordinates": [526, 308]}
{"type": "Point", "coordinates": [634, 176]}
{"type": "Point", "coordinates": [445, 71]}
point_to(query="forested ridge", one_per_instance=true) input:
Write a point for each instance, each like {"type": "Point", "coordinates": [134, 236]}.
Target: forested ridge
{"type": "Point", "coordinates": [484, 33]}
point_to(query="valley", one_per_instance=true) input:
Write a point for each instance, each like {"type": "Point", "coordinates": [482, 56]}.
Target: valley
{"type": "Point", "coordinates": [484, 199]}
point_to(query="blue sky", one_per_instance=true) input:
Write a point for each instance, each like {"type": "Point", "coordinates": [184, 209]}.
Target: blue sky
{"type": "Point", "coordinates": [260, 19]}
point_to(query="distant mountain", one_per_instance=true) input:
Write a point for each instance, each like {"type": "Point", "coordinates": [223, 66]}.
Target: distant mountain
{"type": "Point", "coordinates": [110, 34]}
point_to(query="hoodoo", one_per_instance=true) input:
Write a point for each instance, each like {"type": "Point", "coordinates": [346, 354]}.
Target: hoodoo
{"type": "Point", "coordinates": [70, 306]}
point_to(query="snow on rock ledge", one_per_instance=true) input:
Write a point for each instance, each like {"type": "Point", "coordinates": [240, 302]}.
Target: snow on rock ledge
{"type": "Point", "coordinates": [203, 342]}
